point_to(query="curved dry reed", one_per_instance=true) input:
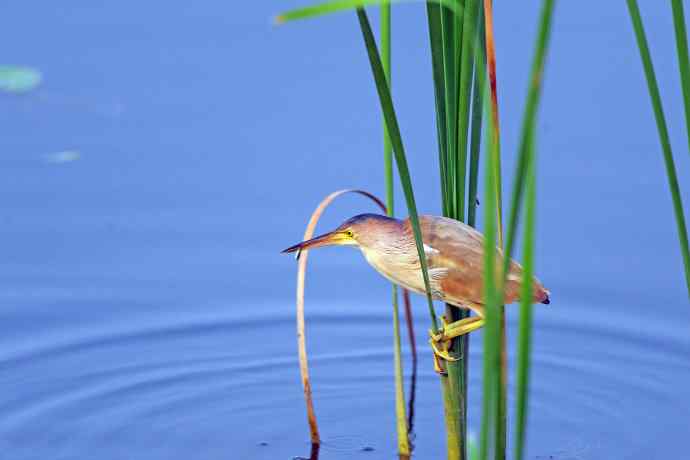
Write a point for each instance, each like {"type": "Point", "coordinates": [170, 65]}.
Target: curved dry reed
{"type": "Point", "coordinates": [301, 335]}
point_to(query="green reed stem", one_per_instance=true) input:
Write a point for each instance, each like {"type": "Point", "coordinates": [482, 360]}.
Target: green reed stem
{"type": "Point", "coordinates": [524, 347]}
{"type": "Point", "coordinates": [683, 61]}
{"type": "Point", "coordinates": [500, 421]}
{"type": "Point", "coordinates": [465, 97]}
{"type": "Point", "coordinates": [436, 43]}
{"type": "Point", "coordinates": [450, 94]}
{"type": "Point", "coordinates": [462, 80]}
{"type": "Point", "coordinates": [528, 123]}
{"type": "Point", "coordinates": [475, 141]}
{"type": "Point", "coordinates": [476, 135]}
{"type": "Point", "coordinates": [442, 29]}
{"type": "Point", "coordinates": [492, 321]}
{"type": "Point", "coordinates": [663, 134]}
{"type": "Point", "coordinates": [494, 418]}
{"type": "Point", "coordinates": [400, 411]}
{"type": "Point", "coordinates": [525, 174]}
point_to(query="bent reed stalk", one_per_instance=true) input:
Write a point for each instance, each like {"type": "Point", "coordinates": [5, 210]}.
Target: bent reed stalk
{"type": "Point", "coordinates": [300, 319]}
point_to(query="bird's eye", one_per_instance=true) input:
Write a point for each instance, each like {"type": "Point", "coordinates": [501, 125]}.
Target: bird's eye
{"type": "Point", "coordinates": [349, 233]}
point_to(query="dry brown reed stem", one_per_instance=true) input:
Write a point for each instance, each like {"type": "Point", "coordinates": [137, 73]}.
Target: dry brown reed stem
{"type": "Point", "coordinates": [491, 58]}
{"type": "Point", "coordinates": [491, 64]}
{"type": "Point", "coordinates": [301, 336]}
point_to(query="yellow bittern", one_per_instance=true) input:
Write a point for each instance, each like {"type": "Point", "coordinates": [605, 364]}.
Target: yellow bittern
{"type": "Point", "coordinates": [455, 259]}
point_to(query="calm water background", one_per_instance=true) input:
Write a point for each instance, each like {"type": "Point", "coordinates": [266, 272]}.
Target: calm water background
{"type": "Point", "coordinates": [146, 312]}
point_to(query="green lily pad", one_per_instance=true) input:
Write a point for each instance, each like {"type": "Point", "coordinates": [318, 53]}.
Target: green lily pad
{"type": "Point", "coordinates": [15, 79]}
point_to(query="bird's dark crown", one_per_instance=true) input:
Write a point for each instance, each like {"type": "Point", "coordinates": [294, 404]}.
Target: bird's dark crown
{"type": "Point", "coordinates": [366, 218]}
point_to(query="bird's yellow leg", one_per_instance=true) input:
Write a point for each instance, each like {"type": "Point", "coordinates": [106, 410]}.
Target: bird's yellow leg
{"type": "Point", "coordinates": [440, 341]}
{"type": "Point", "coordinates": [462, 327]}
{"type": "Point", "coordinates": [440, 347]}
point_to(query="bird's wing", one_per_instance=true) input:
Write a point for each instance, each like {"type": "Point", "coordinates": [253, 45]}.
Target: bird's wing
{"type": "Point", "coordinates": [455, 253]}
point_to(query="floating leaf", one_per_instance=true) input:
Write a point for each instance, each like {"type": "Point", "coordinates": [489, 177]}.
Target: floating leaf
{"type": "Point", "coordinates": [14, 79]}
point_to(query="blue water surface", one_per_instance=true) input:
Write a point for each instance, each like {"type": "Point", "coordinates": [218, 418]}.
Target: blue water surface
{"type": "Point", "coordinates": [173, 149]}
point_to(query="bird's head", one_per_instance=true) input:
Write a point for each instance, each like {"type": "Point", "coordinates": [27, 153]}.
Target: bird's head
{"type": "Point", "coordinates": [363, 231]}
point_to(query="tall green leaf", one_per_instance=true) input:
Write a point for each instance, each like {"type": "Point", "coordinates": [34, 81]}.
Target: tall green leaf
{"type": "Point", "coordinates": [683, 61]}
{"type": "Point", "coordinates": [653, 87]}
{"type": "Point", "coordinates": [467, 53]}
{"type": "Point", "coordinates": [387, 147]}
{"type": "Point", "coordinates": [444, 32]}
{"type": "Point", "coordinates": [396, 140]}
{"type": "Point", "coordinates": [336, 6]}
{"type": "Point", "coordinates": [464, 99]}
{"type": "Point", "coordinates": [492, 338]}
{"type": "Point", "coordinates": [477, 111]}
{"type": "Point", "coordinates": [476, 134]}
{"type": "Point", "coordinates": [526, 175]}
{"type": "Point", "coordinates": [524, 348]}
{"type": "Point", "coordinates": [450, 89]}
{"type": "Point", "coordinates": [436, 43]}
{"type": "Point", "coordinates": [528, 123]}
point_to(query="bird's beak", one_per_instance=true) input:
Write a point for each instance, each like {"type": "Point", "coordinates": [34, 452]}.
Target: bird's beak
{"type": "Point", "coordinates": [328, 239]}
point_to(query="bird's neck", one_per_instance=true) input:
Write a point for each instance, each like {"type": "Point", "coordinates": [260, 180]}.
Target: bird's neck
{"type": "Point", "coordinates": [389, 252]}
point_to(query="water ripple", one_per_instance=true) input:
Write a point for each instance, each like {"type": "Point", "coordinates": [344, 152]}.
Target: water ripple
{"type": "Point", "coordinates": [172, 370]}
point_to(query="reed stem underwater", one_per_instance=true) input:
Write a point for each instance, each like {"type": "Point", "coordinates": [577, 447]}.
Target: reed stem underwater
{"type": "Point", "coordinates": [301, 324]}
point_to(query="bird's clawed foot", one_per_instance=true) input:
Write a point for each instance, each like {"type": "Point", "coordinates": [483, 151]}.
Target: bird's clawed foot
{"type": "Point", "coordinates": [440, 345]}
{"type": "Point", "coordinates": [441, 341]}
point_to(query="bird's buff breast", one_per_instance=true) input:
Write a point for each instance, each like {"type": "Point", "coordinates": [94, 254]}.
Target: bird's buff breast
{"type": "Point", "coordinates": [402, 271]}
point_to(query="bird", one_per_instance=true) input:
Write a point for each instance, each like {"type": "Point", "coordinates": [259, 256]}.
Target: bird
{"type": "Point", "coordinates": [454, 254]}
